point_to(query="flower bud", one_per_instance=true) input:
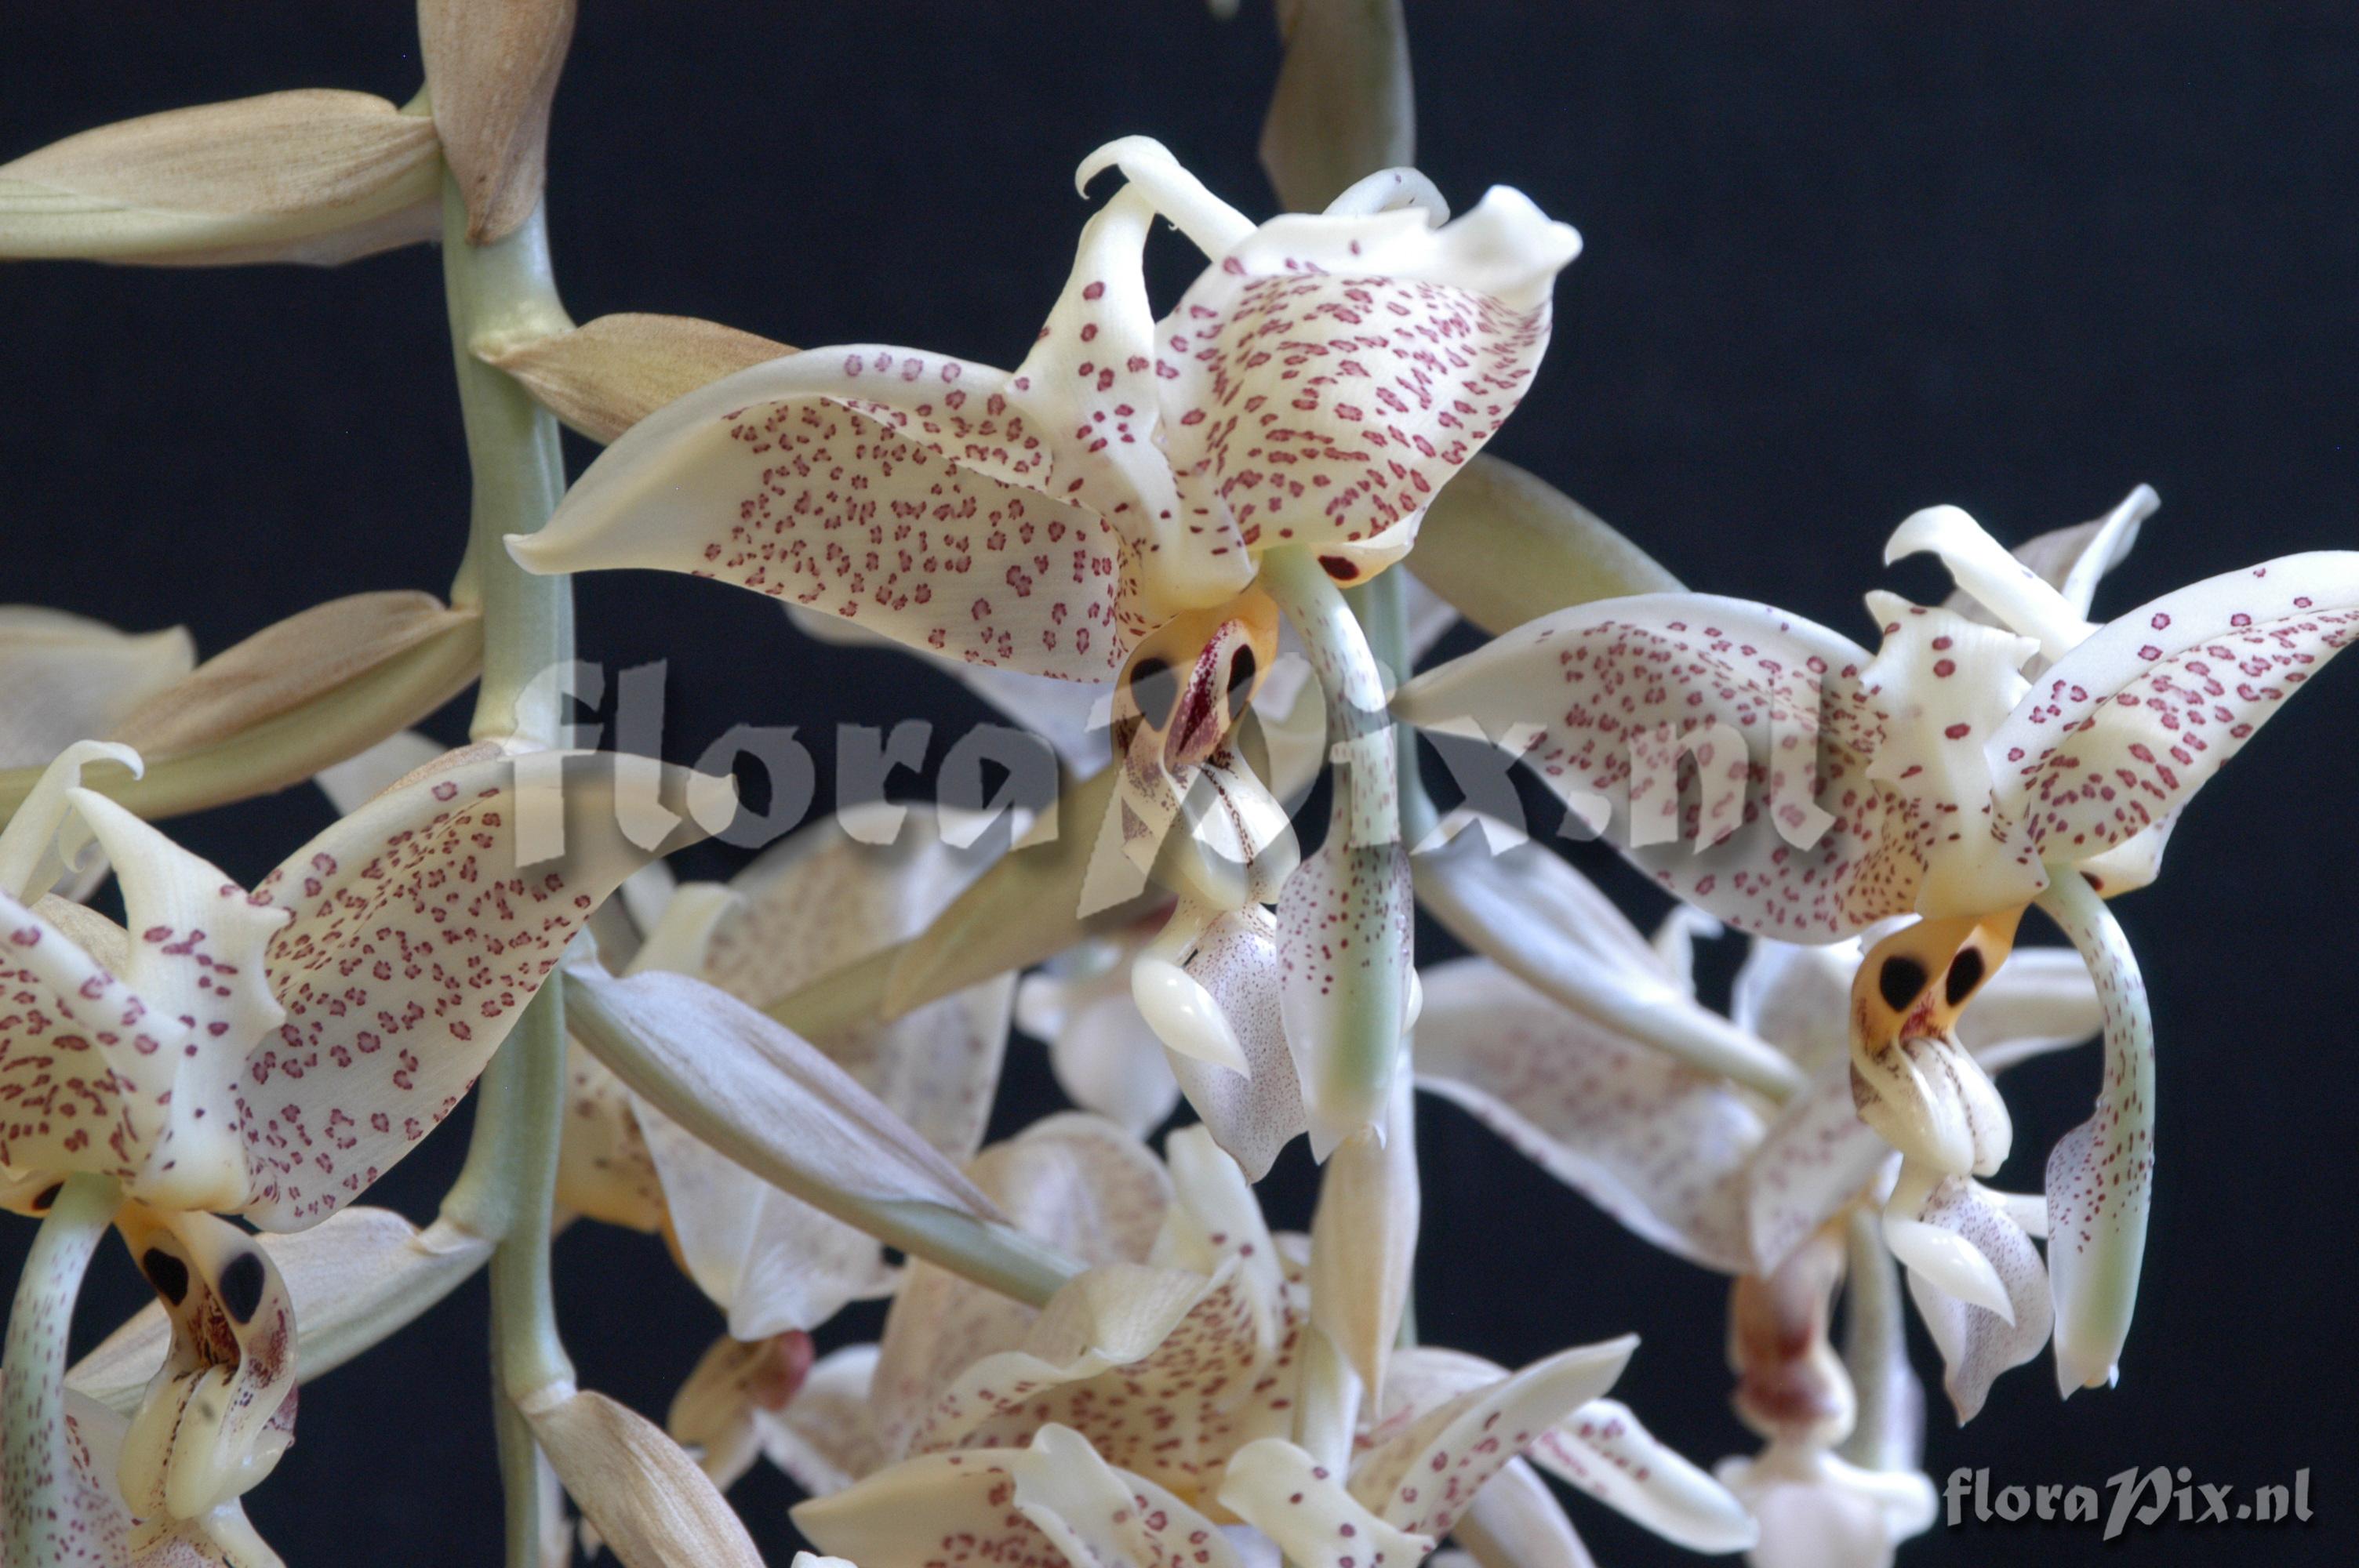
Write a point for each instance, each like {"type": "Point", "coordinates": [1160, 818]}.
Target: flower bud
{"type": "Point", "coordinates": [490, 72]}
{"type": "Point", "coordinates": [605, 376]}
{"type": "Point", "coordinates": [315, 176]}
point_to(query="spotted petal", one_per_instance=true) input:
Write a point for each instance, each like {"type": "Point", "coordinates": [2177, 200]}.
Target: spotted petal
{"type": "Point", "coordinates": [417, 938]}
{"type": "Point", "coordinates": [1602, 700]}
{"type": "Point", "coordinates": [2122, 731]}
{"type": "Point", "coordinates": [1601, 1449]}
{"type": "Point", "coordinates": [897, 489]}
{"type": "Point", "coordinates": [1055, 1498]}
{"type": "Point", "coordinates": [1976, 1343]}
{"type": "Point", "coordinates": [1257, 1114]}
{"type": "Point", "coordinates": [1660, 1146]}
{"type": "Point", "coordinates": [1344, 944]}
{"type": "Point", "coordinates": [1329, 372]}
{"type": "Point", "coordinates": [1423, 1477]}
{"type": "Point", "coordinates": [1515, 1521]}
{"type": "Point", "coordinates": [1299, 1504]}
{"type": "Point", "coordinates": [1081, 1185]}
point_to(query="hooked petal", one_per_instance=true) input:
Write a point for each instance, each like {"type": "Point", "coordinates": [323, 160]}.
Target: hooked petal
{"type": "Point", "coordinates": [1976, 1343]}
{"type": "Point", "coordinates": [1251, 1115]}
{"type": "Point", "coordinates": [1602, 700]}
{"type": "Point", "coordinates": [2074, 560]}
{"type": "Point", "coordinates": [423, 922]}
{"type": "Point", "coordinates": [2014, 592]}
{"type": "Point", "coordinates": [1658, 1145]}
{"type": "Point", "coordinates": [2123, 730]}
{"type": "Point", "coordinates": [736, 479]}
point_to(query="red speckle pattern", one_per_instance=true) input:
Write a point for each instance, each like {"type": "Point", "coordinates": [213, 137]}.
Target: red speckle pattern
{"type": "Point", "coordinates": [2112, 739]}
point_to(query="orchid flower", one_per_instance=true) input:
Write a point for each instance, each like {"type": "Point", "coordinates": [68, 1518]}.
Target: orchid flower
{"type": "Point", "coordinates": [1127, 504]}
{"type": "Point", "coordinates": [267, 1055]}
{"type": "Point", "coordinates": [1170, 1373]}
{"type": "Point", "coordinates": [828, 895]}
{"type": "Point", "coordinates": [1835, 789]}
{"type": "Point", "coordinates": [1716, 1171]}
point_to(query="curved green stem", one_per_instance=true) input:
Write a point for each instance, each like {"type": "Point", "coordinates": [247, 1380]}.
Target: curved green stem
{"type": "Point", "coordinates": [42, 1515]}
{"type": "Point", "coordinates": [509, 1184]}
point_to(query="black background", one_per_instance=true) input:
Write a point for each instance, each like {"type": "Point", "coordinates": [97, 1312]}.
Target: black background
{"type": "Point", "coordinates": [1843, 262]}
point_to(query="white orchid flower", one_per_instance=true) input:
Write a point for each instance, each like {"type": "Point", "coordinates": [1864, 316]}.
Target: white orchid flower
{"type": "Point", "coordinates": [1169, 1373]}
{"type": "Point", "coordinates": [272, 1053]}
{"type": "Point", "coordinates": [1931, 779]}
{"type": "Point", "coordinates": [1711, 1169]}
{"type": "Point", "coordinates": [1105, 511]}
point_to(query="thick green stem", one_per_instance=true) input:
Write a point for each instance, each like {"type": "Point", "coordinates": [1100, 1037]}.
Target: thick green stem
{"type": "Point", "coordinates": [45, 1519]}
{"type": "Point", "coordinates": [509, 1184]}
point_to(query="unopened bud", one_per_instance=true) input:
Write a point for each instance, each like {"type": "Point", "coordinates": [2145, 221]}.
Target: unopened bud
{"type": "Point", "coordinates": [605, 376]}
{"type": "Point", "coordinates": [490, 71]}
{"type": "Point", "coordinates": [315, 176]}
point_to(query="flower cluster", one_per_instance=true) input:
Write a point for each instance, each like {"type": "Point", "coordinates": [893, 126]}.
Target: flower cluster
{"type": "Point", "coordinates": [1165, 542]}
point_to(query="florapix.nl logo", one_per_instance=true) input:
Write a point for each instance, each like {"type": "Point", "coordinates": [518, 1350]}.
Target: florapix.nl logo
{"type": "Point", "coordinates": [2150, 1499]}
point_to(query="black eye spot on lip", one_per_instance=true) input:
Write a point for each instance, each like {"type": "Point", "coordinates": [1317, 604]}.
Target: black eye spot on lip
{"type": "Point", "coordinates": [1154, 689]}
{"type": "Point", "coordinates": [241, 1286]}
{"type": "Point", "coordinates": [1901, 980]}
{"type": "Point", "coordinates": [1242, 670]}
{"type": "Point", "coordinates": [167, 1273]}
{"type": "Point", "coordinates": [1966, 972]}
{"type": "Point", "coordinates": [1340, 567]}
{"type": "Point", "coordinates": [49, 1197]}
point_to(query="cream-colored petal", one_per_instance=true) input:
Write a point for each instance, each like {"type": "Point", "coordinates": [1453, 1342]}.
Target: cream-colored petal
{"type": "Point", "coordinates": [1054, 1499]}
{"type": "Point", "coordinates": [733, 481]}
{"type": "Point", "coordinates": [1515, 1521]}
{"type": "Point", "coordinates": [68, 679]}
{"type": "Point", "coordinates": [717, 1413]}
{"type": "Point", "coordinates": [1302, 1506]}
{"type": "Point", "coordinates": [1107, 1061]}
{"type": "Point", "coordinates": [423, 923]}
{"type": "Point", "coordinates": [2123, 730]}
{"type": "Point", "coordinates": [1817, 1511]}
{"type": "Point", "coordinates": [1588, 696]}
{"type": "Point", "coordinates": [1603, 1451]}
{"type": "Point", "coordinates": [2012, 591]}
{"type": "Point", "coordinates": [1421, 1478]}
{"type": "Point", "coordinates": [1660, 1147]}
{"type": "Point", "coordinates": [362, 777]}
